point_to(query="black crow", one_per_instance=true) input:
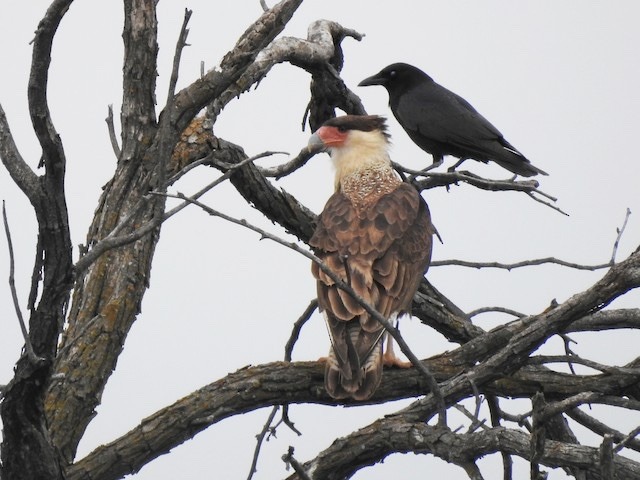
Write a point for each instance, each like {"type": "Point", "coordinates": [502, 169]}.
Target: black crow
{"type": "Point", "coordinates": [443, 123]}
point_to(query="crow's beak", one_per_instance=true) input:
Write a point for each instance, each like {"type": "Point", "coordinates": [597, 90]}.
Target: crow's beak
{"type": "Point", "coordinates": [373, 80]}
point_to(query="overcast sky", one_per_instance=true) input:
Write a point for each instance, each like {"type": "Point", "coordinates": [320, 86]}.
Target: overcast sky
{"type": "Point", "coordinates": [559, 79]}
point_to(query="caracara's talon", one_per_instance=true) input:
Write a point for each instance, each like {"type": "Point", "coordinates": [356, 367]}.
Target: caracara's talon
{"type": "Point", "coordinates": [393, 361]}
{"type": "Point", "coordinates": [389, 358]}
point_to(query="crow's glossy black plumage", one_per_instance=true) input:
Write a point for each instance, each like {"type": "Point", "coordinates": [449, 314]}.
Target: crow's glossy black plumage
{"type": "Point", "coordinates": [443, 123]}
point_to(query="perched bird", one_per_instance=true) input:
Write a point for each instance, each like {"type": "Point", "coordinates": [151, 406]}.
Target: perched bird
{"type": "Point", "coordinates": [443, 123]}
{"type": "Point", "coordinates": [375, 233]}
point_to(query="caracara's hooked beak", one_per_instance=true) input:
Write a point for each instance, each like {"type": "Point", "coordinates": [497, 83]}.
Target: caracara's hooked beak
{"type": "Point", "coordinates": [316, 144]}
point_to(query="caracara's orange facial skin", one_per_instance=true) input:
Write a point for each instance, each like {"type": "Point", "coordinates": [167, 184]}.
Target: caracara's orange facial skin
{"type": "Point", "coordinates": [332, 136]}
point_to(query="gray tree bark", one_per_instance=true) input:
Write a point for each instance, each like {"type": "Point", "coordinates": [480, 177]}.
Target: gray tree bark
{"type": "Point", "coordinates": [51, 400]}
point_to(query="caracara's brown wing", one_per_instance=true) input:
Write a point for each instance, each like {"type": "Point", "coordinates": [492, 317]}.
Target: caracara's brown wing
{"type": "Point", "coordinates": [382, 251]}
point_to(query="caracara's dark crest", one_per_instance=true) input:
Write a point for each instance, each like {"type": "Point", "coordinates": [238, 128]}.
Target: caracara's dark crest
{"type": "Point", "coordinates": [364, 123]}
{"type": "Point", "coordinates": [375, 233]}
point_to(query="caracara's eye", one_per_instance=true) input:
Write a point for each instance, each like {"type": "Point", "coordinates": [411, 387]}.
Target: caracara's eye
{"type": "Point", "coordinates": [342, 129]}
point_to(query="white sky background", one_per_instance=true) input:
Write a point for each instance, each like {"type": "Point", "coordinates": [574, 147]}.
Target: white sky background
{"type": "Point", "coordinates": [559, 79]}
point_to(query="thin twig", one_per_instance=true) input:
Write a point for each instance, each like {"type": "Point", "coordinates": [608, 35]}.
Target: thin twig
{"type": "Point", "coordinates": [539, 261]}
{"type": "Point", "coordinates": [180, 44]}
{"type": "Point", "coordinates": [548, 204]}
{"type": "Point", "coordinates": [567, 340]}
{"type": "Point", "coordinates": [187, 168]}
{"type": "Point", "coordinates": [465, 411]}
{"type": "Point", "coordinates": [33, 358]}
{"type": "Point", "coordinates": [600, 428]}
{"type": "Point", "coordinates": [521, 419]}
{"type": "Point", "coordinates": [165, 146]}
{"type": "Point", "coordinates": [542, 359]}
{"type": "Point", "coordinates": [260, 438]}
{"type": "Point", "coordinates": [508, 311]}
{"type": "Point", "coordinates": [291, 166]}
{"type": "Point", "coordinates": [36, 274]}
{"type": "Point", "coordinates": [264, 5]}
{"type": "Point", "coordinates": [288, 350]}
{"type": "Point", "coordinates": [437, 179]}
{"type": "Point", "coordinates": [287, 421]}
{"type": "Point", "coordinates": [619, 231]}
{"type": "Point", "coordinates": [422, 368]}
{"type": "Point", "coordinates": [476, 414]}
{"type": "Point", "coordinates": [297, 327]}
{"type": "Point", "coordinates": [632, 435]}
{"type": "Point", "coordinates": [573, 401]}
{"type": "Point", "coordinates": [114, 239]}
{"type": "Point", "coordinates": [524, 263]}
{"type": "Point", "coordinates": [297, 467]}
{"type": "Point", "coordinates": [112, 132]}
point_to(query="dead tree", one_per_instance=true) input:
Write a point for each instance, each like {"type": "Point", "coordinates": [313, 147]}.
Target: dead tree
{"type": "Point", "coordinates": [80, 313]}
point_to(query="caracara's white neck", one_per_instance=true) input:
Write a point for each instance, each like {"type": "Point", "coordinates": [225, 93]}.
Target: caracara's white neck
{"type": "Point", "coordinates": [361, 151]}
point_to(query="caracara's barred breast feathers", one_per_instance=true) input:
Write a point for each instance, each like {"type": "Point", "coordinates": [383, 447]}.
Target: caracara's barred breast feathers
{"type": "Point", "coordinates": [367, 186]}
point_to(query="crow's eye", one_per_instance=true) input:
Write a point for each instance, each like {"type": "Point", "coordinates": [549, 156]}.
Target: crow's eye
{"type": "Point", "coordinates": [393, 73]}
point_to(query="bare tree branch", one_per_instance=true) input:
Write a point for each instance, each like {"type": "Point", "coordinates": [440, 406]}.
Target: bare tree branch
{"type": "Point", "coordinates": [180, 45]}
{"type": "Point", "coordinates": [316, 50]}
{"type": "Point", "coordinates": [437, 179]}
{"type": "Point", "coordinates": [114, 239]}
{"type": "Point", "coordinates": [618, 280]}
{"type": "Point", "coordinates": [601, 429]}
{"type": "Point", "coordinates": [523, 263]}
{"type": "Point", "coordinates": [212, 86]}
{"type": "Point", "coordinates": [52, 152]}
{"type": "Point", "coordinates": [539, 261]}
{"type": "Point", "coordinates": [619, 231]}
{"type": "Point", "coordinates": [302, 382]}
{"type": "Point", "coordinates": [626, 440]}
{"type": "Point", "coordinates": [297, 328]}
{"type": "Point", "coordinates": [260, 439]}
{"type": "Point", "coordinates": [112, 132]}
{"type": "Point", "coordinates": [20, 172]}
{"type": "Point", "coordinates": [289, 167]}
{"type": "Point", "coordinates": [14, 295]}
{"type": "Point", "coordinates": [398, 436]}
{"type": "Point", "coordinates": [542, 359]}
{"type": "Point", "coordinates": [138, 114]}
{"type": "Point", "coordinates": [508, 311]}
{"type": "Point", "coordinates": [299, 469]}
{"type": "Point", "coordinates": [288, 351]}
{"type": "Point", "coordinates": [25, 429]}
